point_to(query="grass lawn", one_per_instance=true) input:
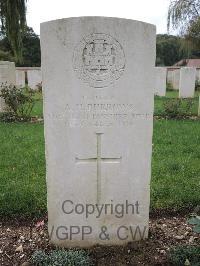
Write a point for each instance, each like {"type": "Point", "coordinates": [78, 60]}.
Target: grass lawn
{"type": "Point", "coordinates": [175, 165]}
{"type": "Point", "coordinates": [22, 169]}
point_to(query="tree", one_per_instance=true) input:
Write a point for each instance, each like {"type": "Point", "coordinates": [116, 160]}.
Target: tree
{"type": "Point", "coordinates": [193, 34]}
{"type": "Point", "coordinates": [185, 16]}
{"type": "Point", "coordinates": [183, 13]}
{"type": "Point", "coordinates": [13, 21]}
{"type": "Point", "coordinates": [169, 50]}
{"type": "Point", "coordinates": [30, 49]}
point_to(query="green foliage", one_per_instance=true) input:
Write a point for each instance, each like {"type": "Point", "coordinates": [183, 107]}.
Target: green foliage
{"type": "Point", "coordinates": [159, 109]}
{"type": "Point", "coordinates": [172, 107]}
{"type": "Point", "coordinates": [169, 49]}
{"type": "Point", "coordinates": [177, 108]}
{"type": "Point", "coordinates": [193, 34]}
{"type": "Point", "coordinates": [184, 255]}
{"type": "Point", "coordinates": [185, 16]}
{"type": "Point", "coordinates": [39, 87]}
{"type": "Point", "coordinates": [182, 12]}
{"type": "Point", "coordinates": [195, 220]}
{"type": "Point", "coordinates": [30, 51]}
{"type": "Point", "coordinates": [61, 257]}
{"type": "Point", "coordinates": [6, 56]}
{"type": "Point", "coordinates": [19, 101]}
{"type": "Point", "coordinates": [13, 21]}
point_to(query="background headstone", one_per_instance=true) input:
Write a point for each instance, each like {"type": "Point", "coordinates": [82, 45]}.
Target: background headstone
{"type": "Point", "coordinates": [7, 76]}
{"type": "Point", "coordinates": [160, 77]}
{"type": "Point", "coordinates": [34, 78]}
{"type": "Point", "coordinates": [187, 82]}
{"type": "Point", "coordinates": [176, 79]}
{"type": "Point", "coordinates": [98, 81]}
{"type": "Point", "coordinates": [20, 78]}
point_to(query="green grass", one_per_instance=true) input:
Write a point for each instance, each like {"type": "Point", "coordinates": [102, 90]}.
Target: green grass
{"type": "Point", "coordinates": [174, 94]}
{"type": "Point", "coordinates": [22, 169]}
{"type": "Point", "coordinates": [175, 165]}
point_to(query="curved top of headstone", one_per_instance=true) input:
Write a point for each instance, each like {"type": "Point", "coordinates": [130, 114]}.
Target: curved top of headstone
{"type": "Point", "coordinates": [6, 62]}
{"type": "Point", "coordinates": [186, 67]}
{"type": "Point", "coordinates": [99, 54]}
{"type": "Point", "coordinates": [95, 18]}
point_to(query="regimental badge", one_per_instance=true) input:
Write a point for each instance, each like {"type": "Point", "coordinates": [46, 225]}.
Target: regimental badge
{"type": "Point", "coordinates": [99, 60]}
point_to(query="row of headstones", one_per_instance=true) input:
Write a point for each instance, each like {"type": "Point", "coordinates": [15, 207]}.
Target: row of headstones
{"type": "Point", "coordinates": [19, 76]}
{"type": "Point", "coordinates": [182, 79]}
{"type": "Point", "coordinates": [30, 76]}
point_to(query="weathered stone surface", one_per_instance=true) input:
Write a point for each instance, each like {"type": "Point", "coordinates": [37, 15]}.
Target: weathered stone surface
{"type": "Point", "coordinates": [20, 78]}
{"type": "Point", "coordinates": [160, 76]}
{"type": "Point", "coordinates": [98, 81]}
{"type": "Point", "coordinates": [34, 78]}
{"type": "Point", "coordinates": [187, 82]}
{"type": "Point", "coordinates": [7, 76]}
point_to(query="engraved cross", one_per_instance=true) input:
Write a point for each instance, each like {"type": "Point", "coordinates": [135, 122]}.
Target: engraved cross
{"type": "Point", "coordinates": [98, 160]}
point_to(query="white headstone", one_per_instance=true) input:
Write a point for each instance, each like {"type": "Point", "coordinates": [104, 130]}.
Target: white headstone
{"type": "Point", "coordinates": [161, 76]}
{"type": "Point", "coordinates": [34, 78]}
{"type": "Point", "coordinates": [176, 79]}
{"type": "Point", "coordinates": [7, 76]}
{"type": "Point", "coordinates": [98, 107]}
{"type": "Point", "coordinates": [20, 78]}
{"type": "Point", "coordinates": [7, 72]}
{"type": "Point", "coordinates": [187, 82]}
